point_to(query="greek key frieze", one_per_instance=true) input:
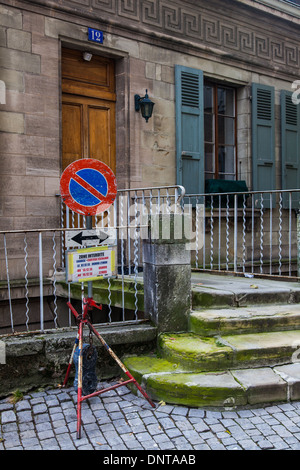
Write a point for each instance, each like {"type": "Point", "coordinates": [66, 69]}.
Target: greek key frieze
{"type": "Point", "coordinates": [194, 22]}
{"type": "Point", "coordinates": [102, 6]}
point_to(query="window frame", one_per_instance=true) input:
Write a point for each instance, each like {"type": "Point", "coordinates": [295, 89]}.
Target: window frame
{"type": "Point", "coordinates": [215, 114]}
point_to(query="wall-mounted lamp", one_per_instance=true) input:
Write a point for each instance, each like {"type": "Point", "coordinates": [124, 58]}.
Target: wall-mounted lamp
{"type": "Point", "coordinates": [87, 56]}
{"type": "Point", "coordinates": [145, 105]}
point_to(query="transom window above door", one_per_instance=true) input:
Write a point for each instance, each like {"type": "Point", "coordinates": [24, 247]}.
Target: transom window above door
{"type": "Point", "coordinates": [219, 131]}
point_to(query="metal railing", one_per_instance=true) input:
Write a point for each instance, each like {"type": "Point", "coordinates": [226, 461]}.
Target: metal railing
{"type": "Point", "coordinates": [253, 232]}
{"type": "Point", "coordinates": [33, 286]}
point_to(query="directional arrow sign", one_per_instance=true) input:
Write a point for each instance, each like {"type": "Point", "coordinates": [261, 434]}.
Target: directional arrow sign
{"type": "Point", "coordinates": [95, 237]}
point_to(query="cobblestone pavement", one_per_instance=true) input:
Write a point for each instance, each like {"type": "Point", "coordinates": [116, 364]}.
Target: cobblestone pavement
{"type": "Point", "coordinates": [118, 420]}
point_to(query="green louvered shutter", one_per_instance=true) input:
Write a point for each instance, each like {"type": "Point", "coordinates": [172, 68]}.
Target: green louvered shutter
{"type": "Point", "coordinates": [189, 129]}
{"type": "Point", "coordinates": [290, 147]}
{"type": "Point", "coordinates": [263, 139]}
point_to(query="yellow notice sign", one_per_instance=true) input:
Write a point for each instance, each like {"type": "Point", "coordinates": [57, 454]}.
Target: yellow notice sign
{"type": "Point", "coordinates": [89, 264]}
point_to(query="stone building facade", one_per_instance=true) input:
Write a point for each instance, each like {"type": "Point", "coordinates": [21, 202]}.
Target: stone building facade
{"type": "Point", "coordinates": [233, 43]}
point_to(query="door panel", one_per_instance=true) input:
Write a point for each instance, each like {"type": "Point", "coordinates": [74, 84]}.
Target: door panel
{"type": "Point", "coordinates": [88, 130]}
{"type": "Point", "coordinates": [72, 143]}
{"type": "Point", "coordinates": [88, 109]}
{"type": "Point", "coordinates": [100, 124]}
{"type": "Point", "coordinates": [95, 78]}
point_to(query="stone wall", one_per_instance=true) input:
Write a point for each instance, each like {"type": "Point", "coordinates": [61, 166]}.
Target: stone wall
{"type": "Point", "coordinates": [147, 40]}
{"type": "Point", "coordinates": [35, 361]}
{"type": "Point", "coordinates": [146, 49]}
{"type": "Point", "coordinates": [29, 122]}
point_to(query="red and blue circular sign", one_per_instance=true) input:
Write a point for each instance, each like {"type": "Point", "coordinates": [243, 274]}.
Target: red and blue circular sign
{"type": "Point", "coordinates": [88, 186]}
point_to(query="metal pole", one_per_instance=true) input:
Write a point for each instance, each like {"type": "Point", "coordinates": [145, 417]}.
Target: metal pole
{"type": "Point", "coordinates": [41, 282]}
{"type": "Point", "coordinates": [8, 284]}
{"type": "Point", "coordinates": [89, 226]}
{"type": "Point", "coordinates": [235, 231]}
{"type": "Point", "coordinates": [79, 389]}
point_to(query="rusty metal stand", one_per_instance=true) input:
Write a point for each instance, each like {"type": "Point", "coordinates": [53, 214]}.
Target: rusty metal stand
{"type": "Point", "coordinates": [82, 320]}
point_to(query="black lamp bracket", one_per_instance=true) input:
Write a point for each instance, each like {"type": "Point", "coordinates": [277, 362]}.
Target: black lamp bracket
{"type": "Point", "coordinates": [137, 99]}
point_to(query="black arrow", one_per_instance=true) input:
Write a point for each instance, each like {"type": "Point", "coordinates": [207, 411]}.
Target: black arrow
{"type": "Point", "coordinates": [79, 238]}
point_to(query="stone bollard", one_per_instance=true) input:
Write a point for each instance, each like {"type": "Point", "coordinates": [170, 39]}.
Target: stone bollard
{"type": "Point", "coordinates": [167, 273]}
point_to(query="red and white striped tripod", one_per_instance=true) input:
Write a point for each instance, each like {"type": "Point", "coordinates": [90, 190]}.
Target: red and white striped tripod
{"type": "Point", "coordinates": [82, 320]}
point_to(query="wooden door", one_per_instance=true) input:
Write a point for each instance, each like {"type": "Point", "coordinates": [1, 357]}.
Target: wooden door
{"type": "Point", "coordinates": [88, 109]}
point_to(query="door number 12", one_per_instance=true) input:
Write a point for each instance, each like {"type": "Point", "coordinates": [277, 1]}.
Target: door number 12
{"type": "Point", "coordinates": [95, 35]}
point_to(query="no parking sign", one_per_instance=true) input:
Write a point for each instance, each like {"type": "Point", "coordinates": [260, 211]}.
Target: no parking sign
{"type": "Point", "coordinates": [88, 186]}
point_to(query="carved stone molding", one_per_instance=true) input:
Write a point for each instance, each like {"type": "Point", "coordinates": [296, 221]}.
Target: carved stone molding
{"type": "Point", "coordinates": [225, 29]}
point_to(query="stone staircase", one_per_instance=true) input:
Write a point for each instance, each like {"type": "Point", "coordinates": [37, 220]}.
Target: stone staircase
{"type": "Point", "coordinates": [242, 347]}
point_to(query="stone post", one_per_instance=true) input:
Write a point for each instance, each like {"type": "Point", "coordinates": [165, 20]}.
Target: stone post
{"type": "Point", "coordinates": [167, 273]}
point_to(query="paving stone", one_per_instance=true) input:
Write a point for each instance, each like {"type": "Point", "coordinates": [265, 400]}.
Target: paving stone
{"type": "Point", "coordinates": [33, 424]}
{"type": "Point", "coordinates": [38, 409]}
{"type": "Point", "coordinates": [8, 417]}
{"type": "Point", "coordinates": [50, 444]}
{"type": "Point", "coordinates": [201, 426]}
{"type": "Point", "coordinates": [166, 423]}
{"type": "Point", "coordinates": [41, 418]}
{"type": "Point", "coordinates": [11, 444]}
{"type": "Point", "coordinates": [30, 442]}
{"type": "Point", "coordinates": [150, 445]}
{"type": "Point", "coordinates": [5, 406]}
{"type": "Point", "coordinates": [229, 441]}
{"type": "Point", "coordinates": [51, 401]}
{"type": "Point", "coordinates": [193, 437]}
{"type": "Point", "coordinates": [36, 401]}
{"type": "Point", "coordinates": [143, 436]}
{"type": "Point", "coordinates": [154, 429]}
{"type": "Point", "coordinates": [196, 413]}
{"type": "Point", "coordinates": [45, 434]}
{"type": "Point", "coordinates": [281, 431]}
{"type": "Point", "coordinates": [265, 444]}
{"type": "Point", "coordinates": [24, 416]}
{"type": "Point", "coordinates": [214, 444]}
{"type": "Point", "coordinates": [181, 443]}
{"type": "Point", "coordinates": [180, 410]}
{"type": "Point", "coordinates": [28, 434]}
{"type": "Point", "coordinates": [202, 447]}
{"type": "Point", "coordinates": [166, 445]}
{"type": "Point", "coordinates": [22, 405]}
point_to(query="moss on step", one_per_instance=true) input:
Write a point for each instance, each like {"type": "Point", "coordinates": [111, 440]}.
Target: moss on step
{"type": "Point", "coordinates": [268, 348]}
{"type": "Point", "coordinates": [164, 380]}
{"type": "Point", "coordinates": [101, 292]}
{"type": "Point", "coordinates": [211, 299]}
{"type": "Point", "coordinates": [253, 319]}
{"type": "Point", "coordinates": [204, 389]}
{"type": "Point", "coordinates": [143, 365]}
{"type": "Point", "coordinates": [193, 352]}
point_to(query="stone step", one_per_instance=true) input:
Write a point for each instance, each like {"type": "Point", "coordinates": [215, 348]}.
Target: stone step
{"type": "Point", "coordinates": [213, 291]}
{"type": "Point", "coordinates": [197, 353]}
{"type": "Point", "coordinates": [229, 321]}
{"type": "Point", "coordinates": [166, 382]}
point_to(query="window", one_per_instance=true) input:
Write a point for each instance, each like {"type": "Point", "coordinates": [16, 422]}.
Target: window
{"type": "Point", "coordinates": [220, 132]}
